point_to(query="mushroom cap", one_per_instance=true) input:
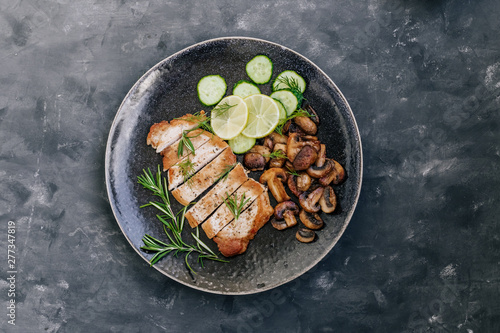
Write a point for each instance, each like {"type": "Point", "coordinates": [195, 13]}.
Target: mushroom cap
{"type": "Point", "coordinates": [254, 161]}
{"type": "Point", "coordinates": [320, 171]}
{"type": "Point", "coordinates": [285, 206]}
{"type": "Point", "coordinates": [306, 124]}
{"type": "Point", "coordinates": [305, 235]}
{"type": "Point", "coordinates": [305, 158]}
{"type": "Point", "coordinates": [336, 176]}
{"type": "Point", "coordinates": [274, 178]}
{"type": "Point", "coordinates": [279, 224]}
{"type": "Point", "coordinates": [311, 220]}
{"type": "Point", "coordinates": [309, 200]}
{"type": "Point", "coordinates": [272, 173]}
{"type": "Point", "coordinates": [328, 200]}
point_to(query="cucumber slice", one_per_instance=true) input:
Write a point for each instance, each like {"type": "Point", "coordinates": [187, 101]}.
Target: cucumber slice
{"type": "Point", "coordinates": [244, 88]}
{"type": "Point", "coordinates": [282, 110]}
{"type": "Point", "coordinates": [241, 144]}
{"type": "Point", "coordinates": [289, 80]}
{"type": "Point", "coordinates": [211, 89]}
{"type": "Point", "coordinates": [288, 99]}
{"type": "Point", "coordinates": [260, 69]}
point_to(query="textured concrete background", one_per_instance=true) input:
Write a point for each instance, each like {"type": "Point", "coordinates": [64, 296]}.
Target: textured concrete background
{"type": "Point", "coordinates": [422, 252]}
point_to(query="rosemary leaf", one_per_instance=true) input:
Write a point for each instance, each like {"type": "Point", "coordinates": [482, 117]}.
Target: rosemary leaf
{"type": "Point", "coordinates": [173, 225]}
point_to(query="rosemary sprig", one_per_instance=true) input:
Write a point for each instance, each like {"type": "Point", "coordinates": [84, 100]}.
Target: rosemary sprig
{"type": "Point", "coordinates": [172, 226]}
{"type": "Point", "coordinates": [235, 206]}
{"type": "Point", "coordinates": [225, 172]}
{"type": "Point", "coordinates": [185, 142]}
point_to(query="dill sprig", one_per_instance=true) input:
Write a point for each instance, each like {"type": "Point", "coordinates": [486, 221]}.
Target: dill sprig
{"type": "Point", "coordinates": [235, 206]}
{"type": "Point", "coordinates": [219, 109]}
{"type": "Point", "coordinates": [276, 154]}
{"type": "Point", "coordinates": [187, 170]}
{"type": "Point", "coordinates": [172, 226]}
{"type": "Point", "coordinates": [292, 84]}
{"type": "Point", "coordinates": [292, 171]}
{"type": "Point", "coordinates": [295, 114]}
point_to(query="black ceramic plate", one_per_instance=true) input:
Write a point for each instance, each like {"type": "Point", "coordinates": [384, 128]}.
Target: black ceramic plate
{"type": "Point", "coordinates": [168, 90]}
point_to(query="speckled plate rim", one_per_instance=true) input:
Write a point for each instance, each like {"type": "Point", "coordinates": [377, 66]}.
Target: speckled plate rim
{"type": "Point", "coordinates": [353, 123]}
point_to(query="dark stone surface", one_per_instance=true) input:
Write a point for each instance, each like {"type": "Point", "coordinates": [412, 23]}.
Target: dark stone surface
{"type": "Point", "coordinates": [422, 251]}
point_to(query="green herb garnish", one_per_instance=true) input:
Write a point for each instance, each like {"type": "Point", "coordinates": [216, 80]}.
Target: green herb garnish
{"type": "Point", "coordinates": [187, 170]}
{"type": "Point", "coordinates": [292, 84]}
{"type": "Point", "coordinates": [235, 206]}
{"type": "Point", "coordinates": [172, 225]}
{"type": "Point", "coordinates": [225, 172]}
{"type": "Point", "coordinates": [276, 154]}
{"type": "Point", "coordinates": [295, 114]}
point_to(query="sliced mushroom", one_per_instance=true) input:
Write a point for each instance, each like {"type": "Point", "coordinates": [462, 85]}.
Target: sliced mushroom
{"type": "Point", "coordinates": [328, 200]}
{"type": "Point", "coordinates": [305, 235]}
{"type": "Point", "coordinates": [303, 182]}
{"type": "Point", "coordinates": [336, 176]}
{"type": "Point", "coordinates": [268, 142]}
{"type": "Point", "coordinates": [278, 138]}
{"type": "Point", "coordinates": [319, 171]}
{"type": "Point", "coordinates": [306, 124]}
{"type": "Point", "coordinates": [279, 224]}
{"type": "Point", "coordinates": [311, 220]}
{"type": "Point", "coordinates": [285, 210]}
{"type": "Point", "coordinates": [309, 200]}
{"type": "Point", "coordinates": [274, 178]}
{"type": "Point", "coordinates": [299, 184]}
{"type": "Point", "coordinates": [305, 158]}
{"type": "Point", "coordinates": [321, 160]}
{"type": "Point", "coordinates": [296, 142]}
{"type": "Point", "coordinates": [278, 162]}
{"type": "Point", "coordinates": [264, 151]}
{"type": "Point", "coordinates": [254, 161]}
{"type": "Point", "coordinates": [314, 114]}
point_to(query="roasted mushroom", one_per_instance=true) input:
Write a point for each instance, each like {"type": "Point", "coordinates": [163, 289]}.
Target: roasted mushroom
{"type": "Point", "coordinates": [285, 211]}
{"type": "Point", "coordinates": [278, 138]}
{"type": "Point", "coordinates": [336, 176]}
{"type": "Point", "coordinates": [311, 220]}
{"type": "Point", "coordinates": [274, 178]}
{"type": "Point", "coordinates": [319, 171]}
{"type": "Point", "coordinates": [309, 200]}
{"type": "Point", "coordinates": [254, 161]}
{"type": "Point", "coordinates": [306, 124]}
{"type": "Point", "coordinates": [305, 235]}
{"type": "Point", "coordinates": [296, 142]}
{"type": "Point", "coordinates": [303, 182]}
{"type": "Point", "coordinates": [305, 158]}
{"type": "Point", "coordinates": [321, 160]}
{"type": "Point", "coordinates": [299, 184]}
{"type": "Point", "coordinates": [278, 162]}
{"type": "Point", "coordinates": [328, 200]}
{"type": "Point", "coordinates": [256, 158]}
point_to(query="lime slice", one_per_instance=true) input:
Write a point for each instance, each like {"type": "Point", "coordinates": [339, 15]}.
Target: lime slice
{"type": "Point", "coordinates": [241, 144]}
{"type": "Point", "coordinates": [229, 117]}
{"type": "Point", "coordinates": [263, 116]}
